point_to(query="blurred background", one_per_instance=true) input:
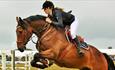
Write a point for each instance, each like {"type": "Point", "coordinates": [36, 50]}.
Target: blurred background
{"type": "Point", "coordinates": [96, 20]}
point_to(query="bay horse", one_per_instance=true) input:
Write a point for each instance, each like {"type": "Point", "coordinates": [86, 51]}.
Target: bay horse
{"type": "Point", "coordinates": [53, 46]}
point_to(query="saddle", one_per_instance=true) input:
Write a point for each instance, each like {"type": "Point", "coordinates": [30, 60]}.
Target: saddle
{"type": "Point", "coordinates": [82, 42]}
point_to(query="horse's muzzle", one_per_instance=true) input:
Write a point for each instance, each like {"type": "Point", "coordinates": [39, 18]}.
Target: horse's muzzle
{"type": "Point", "coordinates": [22, 49]}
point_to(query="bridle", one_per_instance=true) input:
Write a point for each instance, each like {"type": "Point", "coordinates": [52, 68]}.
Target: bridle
{"type": "Point", "coordinates": [24, 38]}
{"type": "Point", "coordinates": [38, 32]}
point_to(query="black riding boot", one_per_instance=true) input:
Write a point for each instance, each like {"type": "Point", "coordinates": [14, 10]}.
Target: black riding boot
{"type": "Point", "coordinates": [79, 45]}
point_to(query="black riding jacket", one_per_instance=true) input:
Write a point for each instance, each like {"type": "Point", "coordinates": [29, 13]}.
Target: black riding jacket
{"type": "Point", "coordinates": [61, 18]}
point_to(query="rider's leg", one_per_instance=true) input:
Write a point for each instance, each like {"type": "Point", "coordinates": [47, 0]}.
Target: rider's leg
{"type": "Point", "coordinates": [79, 44]}
{"type": "Point", "coordinates": [73, 30]}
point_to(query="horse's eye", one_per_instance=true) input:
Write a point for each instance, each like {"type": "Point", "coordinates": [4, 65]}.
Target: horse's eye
{"type": "Point", "coordinates": [20, 32]}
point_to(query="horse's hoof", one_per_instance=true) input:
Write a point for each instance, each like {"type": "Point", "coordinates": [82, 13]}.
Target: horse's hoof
{"type": "Point", "coordinates": [41, 66]}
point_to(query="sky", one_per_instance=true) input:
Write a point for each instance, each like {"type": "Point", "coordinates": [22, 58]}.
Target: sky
{"type": "Point", "coordinates": [96, 20]}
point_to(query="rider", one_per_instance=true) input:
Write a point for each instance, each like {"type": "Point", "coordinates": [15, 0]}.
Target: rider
{"type": "Point", "coordinates": [60, 18]}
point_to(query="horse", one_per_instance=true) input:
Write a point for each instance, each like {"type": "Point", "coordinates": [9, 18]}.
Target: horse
{"type": "Point", "coordinates": [54, 47]}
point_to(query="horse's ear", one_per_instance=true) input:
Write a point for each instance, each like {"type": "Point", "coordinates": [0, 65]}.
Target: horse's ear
{"type": "Point", "coordinates": [22, 23]}
{"type": "Point", "coordinates": [20, 19]}
{"type": "Point", "coordinates": [17, 19]}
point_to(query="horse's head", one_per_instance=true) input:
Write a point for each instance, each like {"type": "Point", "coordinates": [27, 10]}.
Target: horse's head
{"type": "Point", "coordinates": [24, 32]}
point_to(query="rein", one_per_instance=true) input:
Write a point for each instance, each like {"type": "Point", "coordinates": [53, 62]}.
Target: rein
{"type": "Point", "coordinates": [44, 28]}
{"type": "Point", "coordinates": [39, 31]}
{"type": "Point", "coordinates": [33, 40]}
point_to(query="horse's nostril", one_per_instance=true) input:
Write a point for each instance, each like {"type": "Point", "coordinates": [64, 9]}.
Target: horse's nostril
{"type": "Point", "coordinates": [21, 49]}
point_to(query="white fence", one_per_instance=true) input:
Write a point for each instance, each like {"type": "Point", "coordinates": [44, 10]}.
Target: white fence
{"type": "Point", "coordinates": [27, 65]}
{"type": "Point", "coordinates": [28, 58]}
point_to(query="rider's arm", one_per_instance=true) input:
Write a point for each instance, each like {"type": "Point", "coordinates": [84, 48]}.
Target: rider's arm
{"type": "Point", "coordinates": [69, 18]}
{"type": "Point", "coordinates": [59, 19]}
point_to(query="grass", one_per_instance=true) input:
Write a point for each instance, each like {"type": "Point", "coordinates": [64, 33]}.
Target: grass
{"type": "Point", "coordinates": [21, 67]}
{"type": "Point", "coordinates": [53, 67]}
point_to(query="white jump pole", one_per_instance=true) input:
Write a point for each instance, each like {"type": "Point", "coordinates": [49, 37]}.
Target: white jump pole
{"type": "Point", "coordinates": [12, 59]}
{"type": "Point", "coordinates": [3, 60]}
{"type": "Point", "coordinates": [29, 60]}
{"type": "Point", "coordinates": [26, 62]}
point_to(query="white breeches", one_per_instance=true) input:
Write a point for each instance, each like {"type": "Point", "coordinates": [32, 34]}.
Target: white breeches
{"type": "Point", "coordinates": [73, 28]}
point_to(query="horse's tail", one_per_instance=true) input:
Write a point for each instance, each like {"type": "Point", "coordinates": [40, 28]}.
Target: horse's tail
{"type": "Point", "coordinates": [110, 62]}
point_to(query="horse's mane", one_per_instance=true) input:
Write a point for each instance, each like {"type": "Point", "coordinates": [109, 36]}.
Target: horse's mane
{"type": "Point", "coordinates": [36, 17]}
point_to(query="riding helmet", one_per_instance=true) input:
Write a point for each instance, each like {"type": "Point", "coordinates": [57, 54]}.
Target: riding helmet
{"type": "Point", "coordinates": [47, 4]}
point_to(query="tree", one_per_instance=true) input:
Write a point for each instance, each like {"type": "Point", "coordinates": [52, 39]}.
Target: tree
{"type": "Point", "coordinates": [23, 58]}
{"type": "Point", "coordinates": [110, 47]}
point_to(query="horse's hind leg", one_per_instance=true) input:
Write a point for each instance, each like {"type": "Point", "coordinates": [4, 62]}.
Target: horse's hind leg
{"type": "Point", "coordinates": [85, 68]}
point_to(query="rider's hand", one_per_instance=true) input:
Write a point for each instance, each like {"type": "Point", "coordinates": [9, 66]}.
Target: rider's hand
{"type": "Point", "coordinates": [67, 27]}
{"type": "Point", "coordinates": [48, 20]}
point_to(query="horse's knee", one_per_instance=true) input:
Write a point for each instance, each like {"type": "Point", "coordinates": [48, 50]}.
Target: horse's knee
{"type": "Point", "coordinates": [37, 57]}
{"type": "Point", "coordinates": [33, 63]}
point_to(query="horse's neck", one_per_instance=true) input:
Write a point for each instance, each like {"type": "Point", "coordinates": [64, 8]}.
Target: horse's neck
{"type": "Point", "coordinates": [51, 32]}
{"type": "Point", "coordinates": [48, 31]}
{"type": "Point", "coordinates": [37, 26]}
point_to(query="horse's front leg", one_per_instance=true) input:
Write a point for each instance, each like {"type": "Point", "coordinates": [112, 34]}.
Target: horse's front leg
{"type": "Point", "coordinates": [43, 58]}
{"type": "Point", "coordinates": [35, 64]}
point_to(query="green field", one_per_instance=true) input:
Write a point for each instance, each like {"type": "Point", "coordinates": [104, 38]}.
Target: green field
{"type": "Point", "coordinates": [53, 67]}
